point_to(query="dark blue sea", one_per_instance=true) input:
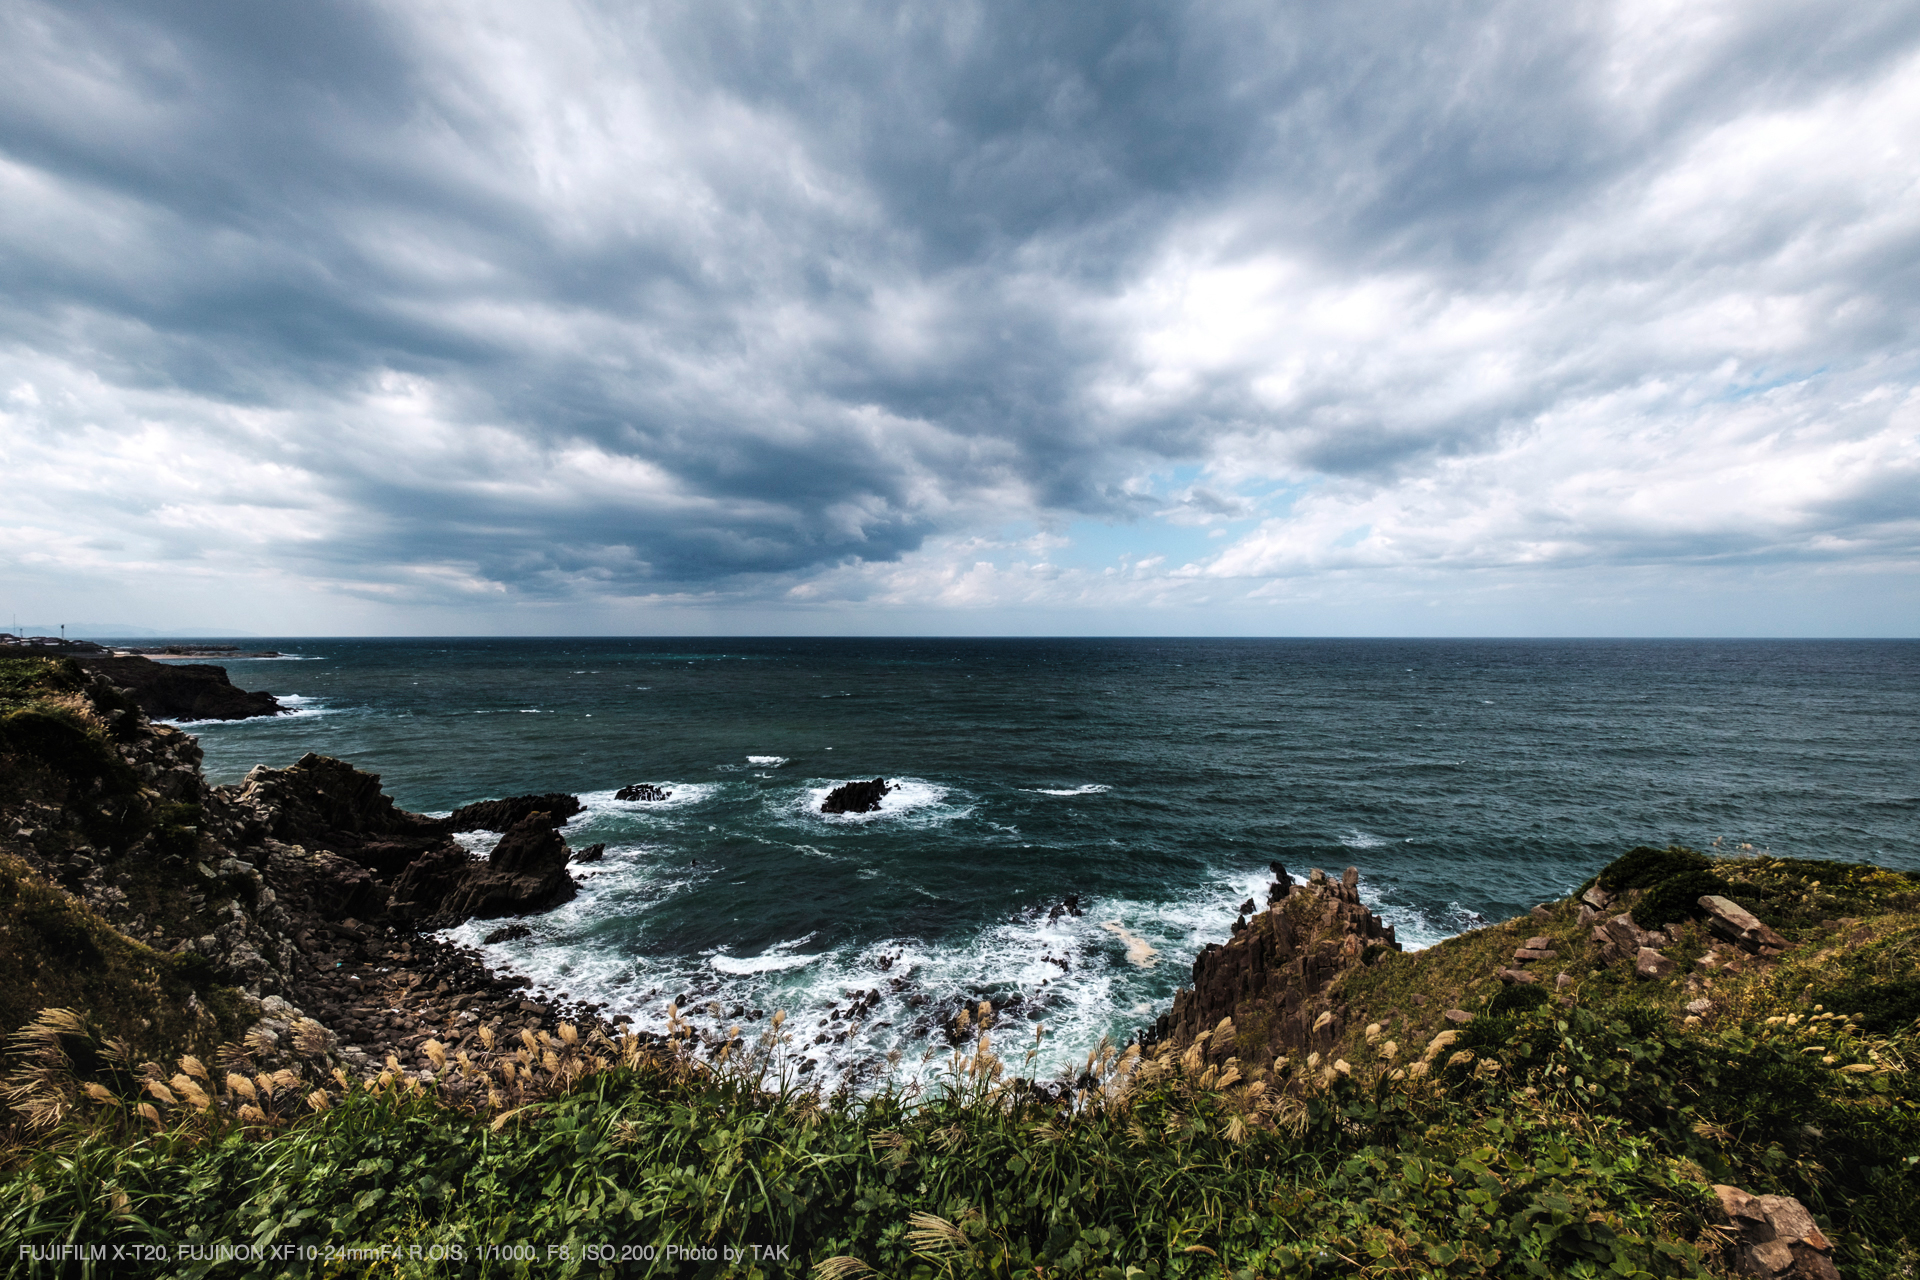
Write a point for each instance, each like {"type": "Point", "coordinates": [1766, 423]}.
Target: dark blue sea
{"type": "Point", "coordinates": [1154, 779]}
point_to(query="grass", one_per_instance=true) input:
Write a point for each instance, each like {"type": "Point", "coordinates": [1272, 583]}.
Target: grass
{"type": "Point", "coordinates": [1534, 1141]}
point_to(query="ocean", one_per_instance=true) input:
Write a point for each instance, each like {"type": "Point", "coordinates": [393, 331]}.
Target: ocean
{"type": "Point", "coordinates": [1149, 781]}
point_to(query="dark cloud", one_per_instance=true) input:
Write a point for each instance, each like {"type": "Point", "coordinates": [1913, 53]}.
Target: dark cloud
{"type": "Point", "coordinates": [593, 298]}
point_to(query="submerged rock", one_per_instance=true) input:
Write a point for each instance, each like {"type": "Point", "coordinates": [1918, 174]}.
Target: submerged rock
{"type": "Point", "coordinates": [855, 797]}
{"type": "Point", "coordinates": [510, 933]}
{"type": "Point", "coordinates": [643, 791]}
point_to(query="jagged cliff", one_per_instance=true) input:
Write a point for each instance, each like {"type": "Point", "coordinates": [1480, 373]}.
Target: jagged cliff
{"type": "Point", "coordinates": [181, 915]}
{"type": "Point", "coordinates": [1275, 978]}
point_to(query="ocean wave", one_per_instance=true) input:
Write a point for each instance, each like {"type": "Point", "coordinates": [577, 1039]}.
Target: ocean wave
{"type": "Point", "coordinates": [1090, 789]}
{"type": "Point", "coordinates": [768, 963]}
{"type": "Point", "coordinates": [849, 1006]}
{"type": "Point", "coordinates": [1358, 839]}
{"type": "Point", "coordinates": [770, 762]}
{"type": "Point", "coordinates": [477, 843]}
{"type": "Point", "coordinates": [291, 713]}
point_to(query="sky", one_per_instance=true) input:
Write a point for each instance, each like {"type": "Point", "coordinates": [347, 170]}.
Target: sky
{"type": "Point", "coordinates": [961, 318]}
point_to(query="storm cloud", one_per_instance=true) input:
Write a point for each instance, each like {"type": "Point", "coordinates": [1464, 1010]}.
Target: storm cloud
{"type": "Point", "coordinates": [590, 307]}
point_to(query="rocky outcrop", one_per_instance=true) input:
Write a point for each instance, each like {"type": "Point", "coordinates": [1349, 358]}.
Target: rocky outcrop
{"type": "Point", "coordinates": [298, 891]}
{"type": "Point", "coordinates": [182, 691]}
{"type": "Point", "coordinates": [1774, 1237]}
{"type": "Point", "coordinates": [643, 791]}
{"type": "Point", "coordinates": [855, 797]}
{"type": "Point", "coordinates": [1273, 978]}
{"type": "Point", "coordinates": [1620, 938]}
{"type": "Point", "coordinates": [1729, 920]}
{"type": "Point", "coordinates": [327, 801]}
{"type": "Point", "coordinates": [500, 815]}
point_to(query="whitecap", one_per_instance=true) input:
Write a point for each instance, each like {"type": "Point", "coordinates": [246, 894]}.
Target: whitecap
{"type": "Point", "coordinates": [478, 844]}
{"type": "Point", "coordinates": [738, 967]}
{"type": "Point", "coordinates": [1090, 789]}
{"type": "Point", "coordinates": [771, 762]}
{"type": "Point", "coordinates": [1358, 839]}
{"type": "Point", "coordinates": [295, 712]}
{"type": "Point", "coordinates": [680, 795]}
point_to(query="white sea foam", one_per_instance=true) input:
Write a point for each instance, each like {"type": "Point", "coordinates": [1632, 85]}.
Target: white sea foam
{"type": "Point", "coordinates": [1103, 990]}
{"type": "Point", "coordinates": [1358, 839]}
{"type": "Point", "coordinates": [910, 799]}
{"type": "Point", "coordinates": [1090, 789]}
{"type": "Point", "coordinates": [595, 805]}
{"type": "Point", "coordinates": [297, 708]}
{"type": "Point", "coordinates": [771, 762]}
{"type": "Point", "coordinates": [759, 964]}
{"type": "Point", "coordinates": [477, 843]}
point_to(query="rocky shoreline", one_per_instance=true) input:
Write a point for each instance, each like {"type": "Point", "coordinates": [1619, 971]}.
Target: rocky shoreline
{"type": "Point", "coordinates": [305, 889]}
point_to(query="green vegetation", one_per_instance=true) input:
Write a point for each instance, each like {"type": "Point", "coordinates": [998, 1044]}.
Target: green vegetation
{"type": "Point", "coordinates": [1535, 1141]}
{"type": "Point", "coordinates": [59, 953]}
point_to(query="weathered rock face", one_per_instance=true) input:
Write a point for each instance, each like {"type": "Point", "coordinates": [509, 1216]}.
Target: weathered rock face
{"type": "Point", "coordinates": [525, 873]}
{"type": "Point", "coordinates": [284, 884]}
{"type": "Point", "coordinates": [318, 798]}
{"type": "Point", "coordinates": [1774, 1237]}
{"type": "Point", "coordinates": [1272, 977]}
{"type": "Point", "coordinates": [185, 691]}
{"type": "Point", "coordinates": [1728, 919]}
{"type": "Point", "coordinates": [500, 815]}
{"type": "Point", "coordinates": [855, 797]}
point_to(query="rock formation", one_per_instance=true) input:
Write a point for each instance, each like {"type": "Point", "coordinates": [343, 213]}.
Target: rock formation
{"type": "Point", "coordinates": [500, 815]}
{"type": "Point", "coordinates": [1774, 1237]}
{"type": "Point", "coordinates": [181, 691]}
{"type": "Point", "coordinates": [1272, 977]}
{"type": "Point", "coordinates": [642, 791]}
{"type": "Point", "coordinates": [298, 892]}
{"type": "Point", "coordinates": [855, 797]}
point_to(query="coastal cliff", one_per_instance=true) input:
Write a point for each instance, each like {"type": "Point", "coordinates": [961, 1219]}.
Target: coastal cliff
{"type": "Point", "coordinates": [180, 916]}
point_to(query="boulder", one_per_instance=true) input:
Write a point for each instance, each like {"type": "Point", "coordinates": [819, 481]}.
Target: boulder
{"type": "Point", "coordinates": [1619, 937]}
{"type": "Point", "coordinates": [1524, 954]}
{"type": "Point", "coordinates": [855, 797]}
{"type": "Point", "coordinates": [1511, 976]}
{"type": "Point", "coordinates": [1651, 964]}
{"type": "Point", "coordinates": [1774, 1237]}
{"type": "Point", "coordinates": [592, 853]}
{"type": "Point", "coordinates": [502, 815]}
{"type": "Point", "coordinates": [1728, 919]}
{"type": "Point", "coordinates": [643, 791]}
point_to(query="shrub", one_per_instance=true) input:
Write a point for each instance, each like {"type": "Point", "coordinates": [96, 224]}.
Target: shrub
{"type": "Point", "coordinates": [1518, 998]}
{"type": "Point", "coordinates": [1643, 867]}
{"type": "Point", "coordinates": [1677, 898]}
